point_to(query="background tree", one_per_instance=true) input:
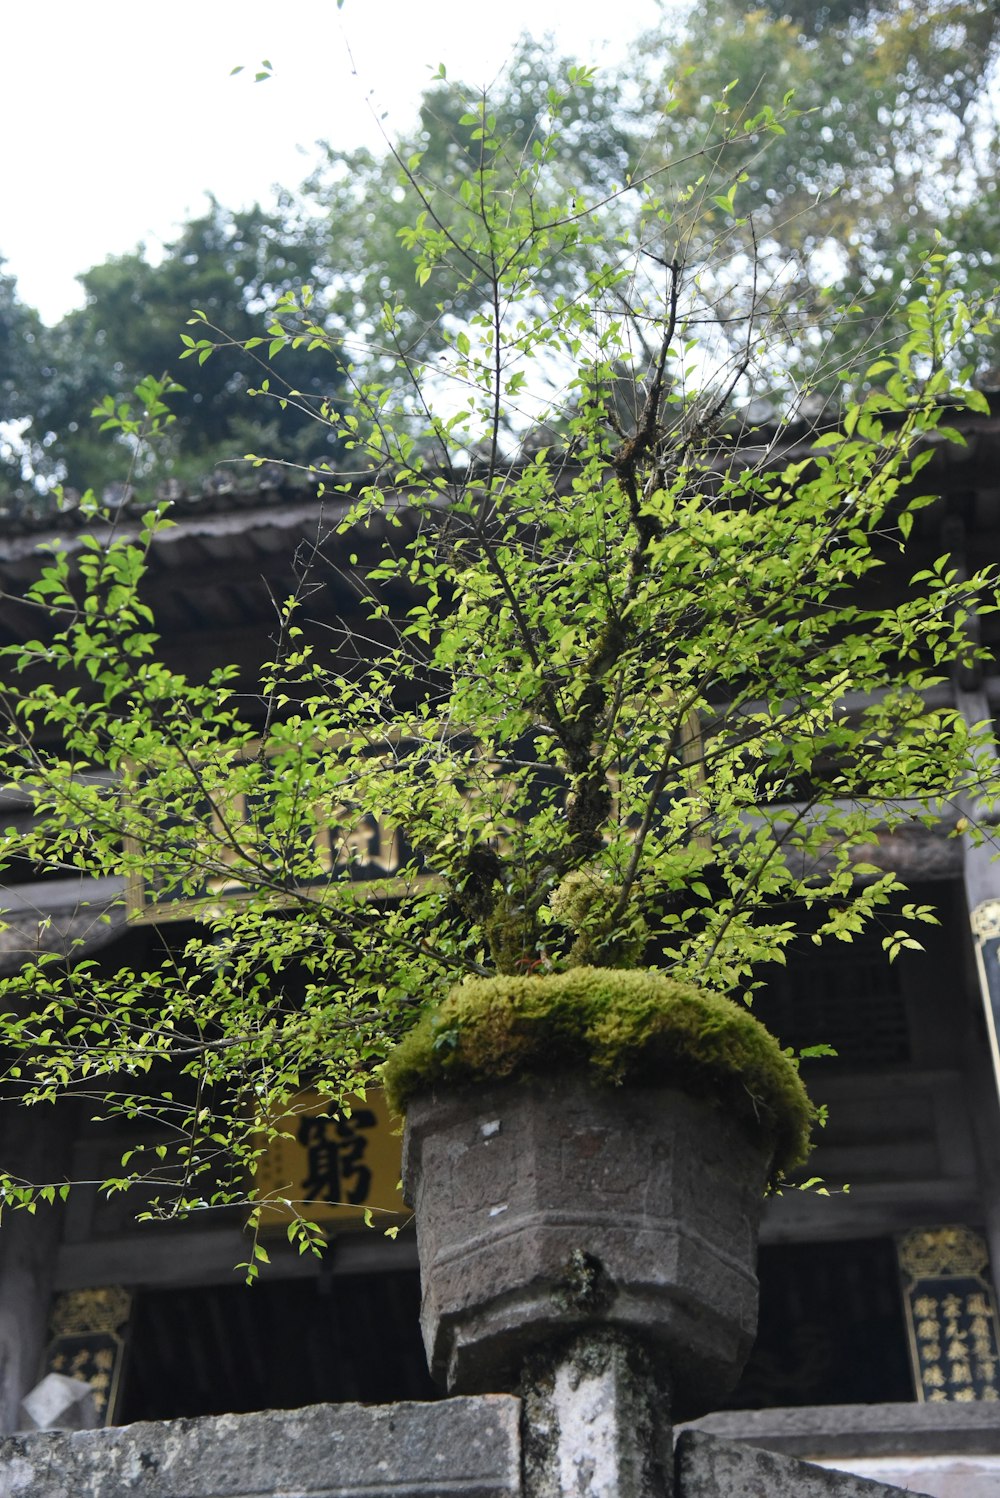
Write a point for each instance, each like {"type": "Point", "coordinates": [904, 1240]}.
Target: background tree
{"type": "Point", "coordinates": [20, 382]}
{"type": "Point", "coordinates": [234, 267]}
{"type": "Point", "coordinates": [356, 207]}
{"type": "Point", "coordinates": [898, 142]}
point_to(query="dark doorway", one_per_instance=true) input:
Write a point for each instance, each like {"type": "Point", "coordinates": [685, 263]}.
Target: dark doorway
{"type": "Point", "coordinates": [227, 1348]}
{"type": "Point", "coordinates": [831, 1327]}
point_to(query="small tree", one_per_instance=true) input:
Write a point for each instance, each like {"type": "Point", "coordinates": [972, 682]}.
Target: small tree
{"type": "Point", "coordinates": [607, 724]}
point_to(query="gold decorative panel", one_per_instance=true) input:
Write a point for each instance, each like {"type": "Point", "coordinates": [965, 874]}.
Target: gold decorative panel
{"type": "Point", "coordinates": [951, 1315]}
{"type": "Point", "coordinates": [87, 1332]}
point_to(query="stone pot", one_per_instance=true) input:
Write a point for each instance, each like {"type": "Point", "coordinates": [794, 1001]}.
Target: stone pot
{"type": "Point", "coordinates": [545, 1207]}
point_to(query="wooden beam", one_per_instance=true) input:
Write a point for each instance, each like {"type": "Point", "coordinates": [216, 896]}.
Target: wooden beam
{"type": "Point", "coordinates": [154, 1257]}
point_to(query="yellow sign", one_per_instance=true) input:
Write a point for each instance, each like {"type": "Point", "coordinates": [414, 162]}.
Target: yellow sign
{"type": "Point", "coordinates": [331, 1168]}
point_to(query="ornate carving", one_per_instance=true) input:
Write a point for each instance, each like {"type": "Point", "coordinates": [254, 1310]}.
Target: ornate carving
{"type": "Point", "coordinates": [939, 1251]}
{"type": "Point", "coordinates": [76, 1313]}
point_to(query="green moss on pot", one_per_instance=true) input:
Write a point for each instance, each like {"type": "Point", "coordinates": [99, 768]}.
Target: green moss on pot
{"type": "Point", "coordinates": [623, 1026]}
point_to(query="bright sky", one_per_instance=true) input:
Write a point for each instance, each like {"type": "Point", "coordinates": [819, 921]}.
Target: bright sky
{"type": "Point", "coordinates": [118, 117]}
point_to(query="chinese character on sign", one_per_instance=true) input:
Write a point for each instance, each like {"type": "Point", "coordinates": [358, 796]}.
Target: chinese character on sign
{"type": "Point", "coordinates": [335, 1151]}
{"type": "Point", "coordinates": [87, 1331]}
{"type": "Point", "coordinates": [954, 1333]}
{"type": "Point", "coordinates": [330, 1164]}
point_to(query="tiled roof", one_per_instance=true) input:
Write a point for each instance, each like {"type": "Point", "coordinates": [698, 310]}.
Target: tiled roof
{"type": "Point", "coordinates": [244, 488]}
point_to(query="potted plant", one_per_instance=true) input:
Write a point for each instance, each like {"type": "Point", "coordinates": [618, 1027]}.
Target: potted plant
{"type": "Point", "coordinates": [590, 1149]}
{"type": "Point", "coordinates": [591, 771]}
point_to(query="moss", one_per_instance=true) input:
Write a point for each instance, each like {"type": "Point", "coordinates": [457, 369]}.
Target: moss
{"type": "Point", "coordinates": [623, 1026]}
{"type": "Point", "coordinates": [585, 904]}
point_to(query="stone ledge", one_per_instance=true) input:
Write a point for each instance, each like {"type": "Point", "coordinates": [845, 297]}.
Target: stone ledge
{"type": "Point", "coordinates": [863, 1430]}
{"type": "Point", "coordinates": [937, 1476]}
{"type": "Point", "coordinates": [711, 1468]}
{"type": "Point", "coordinates": [460, 1448]}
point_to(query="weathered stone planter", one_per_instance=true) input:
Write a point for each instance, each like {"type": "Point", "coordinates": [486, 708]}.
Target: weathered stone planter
{"type": "Point", "coordinates": [546, 1207]}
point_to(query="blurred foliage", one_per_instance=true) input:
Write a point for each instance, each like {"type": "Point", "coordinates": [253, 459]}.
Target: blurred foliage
{"type": "Point", "coordinates": [20, 379]}
{"type": "Point", "coordinates": [897, 142]}
{"type": "Point", "coordinates": [893, 149]}
{"type": "Point", "coordinates": [356, 204]}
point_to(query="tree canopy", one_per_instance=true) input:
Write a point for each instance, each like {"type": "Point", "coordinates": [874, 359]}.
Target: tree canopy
{"type": "Point", "coordinates": [20, 380]}
{"type": "Point", "coordinates": [893, 150]}
{"type": "Point", "coordinates": [362, 251]}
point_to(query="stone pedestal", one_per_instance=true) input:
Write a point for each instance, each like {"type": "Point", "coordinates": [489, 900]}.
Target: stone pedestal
{"type": "Point", "coordinates": [547, 1208]}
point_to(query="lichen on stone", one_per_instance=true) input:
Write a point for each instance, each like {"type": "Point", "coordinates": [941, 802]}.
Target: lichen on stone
{"type": "Point", "coordinates": [621, 1026]}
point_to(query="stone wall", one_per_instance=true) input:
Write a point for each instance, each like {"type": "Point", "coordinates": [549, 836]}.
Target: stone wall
{"type": "Point", "coordinates": [460, 1448]}
{"type": "Point", "coordinates": [465, 1448]}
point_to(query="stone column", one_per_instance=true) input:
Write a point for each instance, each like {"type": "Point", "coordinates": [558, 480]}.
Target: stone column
{"type": "Point", "coordinates": [592, 1247]}
{"type": "Point", "coordinates": [982, 894]}
{"type": "Point", "coordinates": [33, 1143]}
{"type": "Point", "coordinates": [595, 1423]}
